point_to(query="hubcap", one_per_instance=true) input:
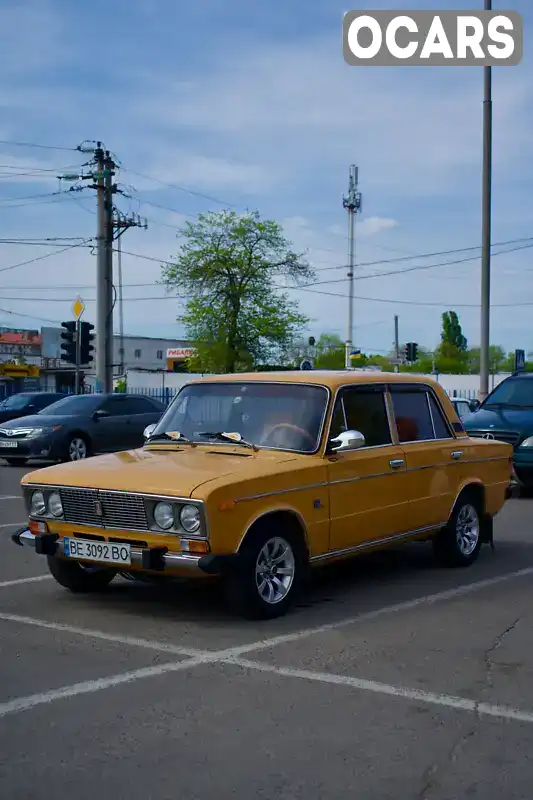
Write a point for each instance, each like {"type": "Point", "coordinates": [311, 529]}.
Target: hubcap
{"type": "Point", "coordinates": [77, 449]}
{"type": "Point", "coordinates": [274, 570]}
{"type": "Point", "coordinates": [467, 529]}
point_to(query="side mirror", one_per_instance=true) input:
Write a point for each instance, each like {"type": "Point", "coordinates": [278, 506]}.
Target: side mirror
{"type": "Point", "coordinates": [474, 405]}
{"type": "Point", "coordinates": [149, 430]}
{"type": "Point", "coordinates": [100, 413]}
{"type": "Point", "coordinates": [347, 440]}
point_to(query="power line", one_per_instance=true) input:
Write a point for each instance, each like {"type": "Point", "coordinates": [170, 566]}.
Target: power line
{"type": "Point", "coordinates": [12, 143]}
{"type": "Point", "coordinates": [43, 241]}
{"type": "Point", "coordinates": [427, 255]}
{"type": "Point", "coordinates": [181, 188]}
{"type": "Point", "coordinates": [32, 196]}
{"type": "Point", "coordinates": [305, 286]}
{"type": "Point", "coordinates": [46, 255]}
{"type": "Point", "coordinates": [28, 316]}
{"type": "Point", "coordinates": [420, 303]}
{"type": "Point", "coordinates": [52, 197]}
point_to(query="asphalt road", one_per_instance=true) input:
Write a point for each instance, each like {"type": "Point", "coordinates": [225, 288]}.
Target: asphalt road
{"type": "Point", "coordinates": [392, 679]}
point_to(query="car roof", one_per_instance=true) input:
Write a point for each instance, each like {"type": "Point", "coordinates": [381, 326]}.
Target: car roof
{"type": "Point", "coordinates": [327, 377]}
{"type": "Point", "coordinates": [35, 394]}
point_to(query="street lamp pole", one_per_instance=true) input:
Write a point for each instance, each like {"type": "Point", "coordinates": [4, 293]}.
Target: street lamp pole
{"type": "Point", "coordinates": [486, 228]}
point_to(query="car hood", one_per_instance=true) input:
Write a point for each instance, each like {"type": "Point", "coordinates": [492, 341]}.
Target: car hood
{"type": "Point", "coordinates": [503, 419]}
{"type": "Point", "coordinates": [176, 472]}
{"type": "Point", "coordinates": [7, 415]}
{"type": "Point", "coordinates": [36, 421]}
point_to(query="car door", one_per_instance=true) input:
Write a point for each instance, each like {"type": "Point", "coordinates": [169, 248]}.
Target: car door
{"type": "Point", "coordinates": [112, 430]}
{"type": "Point", "coordinates": [140, 412]}
{"type": "Point", "coordinates": [430, 450]}
{"type": "Point", "coordinates": [367, 486]}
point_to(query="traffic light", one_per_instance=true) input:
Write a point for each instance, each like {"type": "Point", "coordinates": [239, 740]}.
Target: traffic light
{"type": "Point", "coordinates": [86, 339]}
{"type": "Point", "coordinates": [69, 342]}
{"type": "Point", "coordinates": [411, 352]}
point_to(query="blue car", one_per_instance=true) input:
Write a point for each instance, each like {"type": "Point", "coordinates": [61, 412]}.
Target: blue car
{"type": "Point", "coordinates": [507, 414]}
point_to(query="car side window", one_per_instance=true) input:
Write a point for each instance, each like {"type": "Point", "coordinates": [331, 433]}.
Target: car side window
{"type": "Point", "coordinates": [362, 410]}
{"type": "Point", "coordinates": [138, 405]}
{"type": "Point", "coordinates": [442, 430]}
{"type": "Point", "coordinates": [45, 400]}
{"type": "Point", "coordinates": [115, 406]}
{"type": "Point", "coordinates": [413, 420]}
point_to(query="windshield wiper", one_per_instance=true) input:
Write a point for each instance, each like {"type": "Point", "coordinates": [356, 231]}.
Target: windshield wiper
{"type": "Point", "coordinates": [236, 438]}
{"type": "Point", "coordinates": [172, 436]}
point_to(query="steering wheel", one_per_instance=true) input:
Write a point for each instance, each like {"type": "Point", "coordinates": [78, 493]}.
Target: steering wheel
{"type": "Point", "coordinates": [288, 426]}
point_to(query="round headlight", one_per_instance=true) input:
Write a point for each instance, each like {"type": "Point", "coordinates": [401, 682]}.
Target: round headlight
{"type": "Point", "coordinates": [190, 518]}
{"type": "Point", "coordinates": [55, 505]}
{"type": "Point", "coordinates": [38, 505]}
{"type": "Point", "coordinates": [164, 515]}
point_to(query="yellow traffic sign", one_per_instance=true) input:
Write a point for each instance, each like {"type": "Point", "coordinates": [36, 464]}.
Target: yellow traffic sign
{"type": "Point", "coordinates": [78, 307]}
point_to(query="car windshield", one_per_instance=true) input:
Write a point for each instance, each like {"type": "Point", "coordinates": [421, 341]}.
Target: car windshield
{"type": "Point", "coordinates": [516, 392]}
{"type": "Point", "coordinates": [72, 406]}
{"type": "Point", "coordinates": [283, 416]}
{"type": "Point", "coordinates": [16, 402]}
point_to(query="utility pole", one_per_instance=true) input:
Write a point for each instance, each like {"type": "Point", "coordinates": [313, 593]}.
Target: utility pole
{"type": "Point", "coordinates": [101, 269]}
{"type": "Point", "coordinates": [353, 205]}
{"type": "Point", "coordinates": [486, 229]}
{"type": "Point", "coordinates": [101, 173]}
{"type": "Point", "coordinates": [108, 288]}
{"type": "Point", "coordinates": [121, 223]}
{"type": "Point", "coordinates": [396, 344]}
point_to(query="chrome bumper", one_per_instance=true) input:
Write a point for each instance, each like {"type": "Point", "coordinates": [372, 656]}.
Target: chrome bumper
{"type": "Point", "coordinates": [147, 558]}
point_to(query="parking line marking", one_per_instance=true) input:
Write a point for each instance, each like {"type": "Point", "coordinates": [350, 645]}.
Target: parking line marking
{"type": "Point", "coordinates": [108, 637]}
{"type": "Point", "coordinates": [13, 524]}
{"type": "Point", "coordinates": [18, 581]}
{"type": "Point", "coordinates": [450, 701]}
{"type": "Point", "coordinates": [429, 599]}
{"type": "Point", "coordinates": [273, 641]}
{"type": "Point", "coordinates": [10, 497]}
{"type": "Point", "coordinates": [20, 704]}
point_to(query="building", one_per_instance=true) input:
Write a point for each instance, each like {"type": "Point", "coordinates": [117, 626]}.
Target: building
{"type": "Point", "coordinates": [20, 360]}
{"type": "Point", "coordinates": [140, 353]}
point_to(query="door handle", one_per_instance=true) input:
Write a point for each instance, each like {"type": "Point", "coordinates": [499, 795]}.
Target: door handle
{"type": "Point", "coordinates": [457, 454]}
{"type": "Point", "coordinates": [395, 463]}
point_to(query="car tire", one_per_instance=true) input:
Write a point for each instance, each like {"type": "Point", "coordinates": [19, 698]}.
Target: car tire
{"type": "Point", "coordinates": [459, 543]}
{"type": "Point", "coordinates": [72, 575]}
{"type": "Point", "coordinates": [17, 462]}
{"type": "Point", "coordinates": [77, 448]}
{"type": "Point", "coordinates": [264, 595]}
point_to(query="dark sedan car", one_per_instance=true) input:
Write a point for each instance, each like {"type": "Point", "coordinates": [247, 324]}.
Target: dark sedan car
{"type": "Point", "coordinates": [26, 403]}
{"type": "Point", "coordinates": [79, 426]}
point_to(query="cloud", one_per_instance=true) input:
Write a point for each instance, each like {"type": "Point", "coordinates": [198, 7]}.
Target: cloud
{"type": "Point", "coordinates": [368, 226]}
{"type": "Point", "coordinates": [213, 173]}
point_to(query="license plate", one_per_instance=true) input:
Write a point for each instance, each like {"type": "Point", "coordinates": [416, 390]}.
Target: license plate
{"type": "Point", "coordinates": [9, 444]}
{"type": "Point", "coordinates": [106, 552]}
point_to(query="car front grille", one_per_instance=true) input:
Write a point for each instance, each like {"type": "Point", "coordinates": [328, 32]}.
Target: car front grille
{"type": "Point", "coordinates": [104, 509]}
{"type": "Point", "coordinates": [511, 437]}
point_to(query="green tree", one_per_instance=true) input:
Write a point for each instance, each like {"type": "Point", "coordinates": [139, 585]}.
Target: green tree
{"type": "Point", "coordinates": [330, 352]}
{"type": "Point", "coordinates": [452, 339]}
{"type": "Point", "coordinates": [498, 359]}
{"type": "Point", "coordinates": [228, 265]}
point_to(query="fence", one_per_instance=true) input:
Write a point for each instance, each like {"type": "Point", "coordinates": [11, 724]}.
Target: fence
{"type": "Point", "coordinates": [167, 394]}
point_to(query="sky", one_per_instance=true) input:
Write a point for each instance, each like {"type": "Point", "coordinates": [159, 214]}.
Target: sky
{"type": "Point", "coordinates": [226, 104]}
